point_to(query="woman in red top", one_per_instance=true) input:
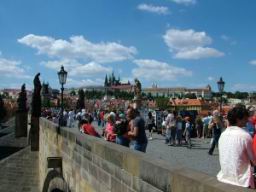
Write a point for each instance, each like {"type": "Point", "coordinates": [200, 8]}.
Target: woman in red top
{"type": "Point", "coordinates": [88, 129]}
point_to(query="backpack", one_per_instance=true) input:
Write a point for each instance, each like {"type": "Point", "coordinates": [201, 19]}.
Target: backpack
{"type": "Point", "coordinates": [121, 127]}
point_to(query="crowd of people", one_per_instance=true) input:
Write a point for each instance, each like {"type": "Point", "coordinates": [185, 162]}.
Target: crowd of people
{"type": "Point", "coordinates": [126, 128]}
{"type": "Point", "coordinates": [234, 134]}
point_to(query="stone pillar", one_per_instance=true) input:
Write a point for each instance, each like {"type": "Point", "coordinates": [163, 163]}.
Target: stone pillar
{"type": "Point", "coordinates": [21, 124]}
{"type": "Point", "coordinates": [34, 134]}
{"type": "Point", "coordinates": [137, 103]}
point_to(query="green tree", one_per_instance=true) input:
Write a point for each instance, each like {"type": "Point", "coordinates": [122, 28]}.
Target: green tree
{"type": "Point", "coordinates": [45, 95]}
{"type": "Point", "coordinates": [162, 102]}
{"type": "Point", "coordinates": [190, 96]}
{"type": "Point", "coordinates": [46, 102]}
{"type": "Point", "coordinates": [241, 95]}
{"type": "Point", "coordinates": [80, 102]}
{"type": "Point", "coordinates": [72, 92]}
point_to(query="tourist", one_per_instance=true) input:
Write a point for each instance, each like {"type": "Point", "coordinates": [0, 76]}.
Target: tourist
{"type": "Point", "coordinates": [121, 130]}
{"type": "Point", "coordinates": [64, 118]}
{"type": "Point", "coordinates": [71, 118]}
{"type": "Point", "coordinates": [87, 128]}
{"type": "Point", "coordinates": [102, 114]}
{"type": "Point", "coordinates": [235, 150]}
{"type": "Point", "coordinates": [150, 125]}
{"type": "Point", "coordinates": [110, 128]}
{"type": "Point", "coordinates": [188, 131]}
{"type": "Point", "coordinates": [171, 128]}
{"type": "Point", "coordinates": [216, 125]}
{"type": "Point", "coordinates": [199, 126]}
{"type": "Point", "coordinates": [83, 113]}
{"type": "Point", "coordinates": [179, 130]}
{"type": "Point", "coordinates": [137, 130]}
{"type": "Point", "coordinates": [250, 125]}
{"type": "Point", "coordinates": [206, 121]}
{"type": "Point", "coordinates": [163, 126]}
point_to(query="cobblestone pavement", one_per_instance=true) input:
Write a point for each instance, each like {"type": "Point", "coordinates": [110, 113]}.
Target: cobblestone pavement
{"type": "Point", "coordinates": [18, 170]}
{"type": "Point", "coordinates": [196, 158]}
{"type": "Point", "coordinates": [8, 143]}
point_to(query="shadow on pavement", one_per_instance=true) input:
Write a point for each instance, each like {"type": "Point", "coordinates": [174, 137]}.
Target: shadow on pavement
{"type": "Point", "coordinates": [3, 134]}
{"type": "Point", "coordinates": [7, 151]}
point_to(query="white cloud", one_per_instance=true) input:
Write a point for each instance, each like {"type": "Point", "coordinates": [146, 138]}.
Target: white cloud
{"type": "Point", "coordinates": [79, 48]}
{"type": "Point", "coordinates": [189, 44]}
{"type": "Point", "coordinates": [155, 70]}
{"type": "Point", "coordinates": [76, 68]}
{"type": "Point", "coordinates": [228, 39]}
{"type": "Point", "coordinates": [253, 62]}
{"type": "Point", "coordinates": [210, 78]}
{"type": "Point", "coordinates": [185, 39]}
{"type": "Point", "coordinates": [161, 10]}
{"type": "Point", "coordinates": [68, 64]}
{"type": "Point", "coordinates": [243, 87]}
{"type": "Point", "coordinates": [84, 82]}
{"type": "Point", "coordinates": [198, 53]}
{"type": "Point", "coordinates": [185, 2]}
{"type": "Point", "coordinates": [225, 37]}
{"type": "Point", "coordinates": [90, 69]}
{"type": "Point", "coordinates": [12, 69]}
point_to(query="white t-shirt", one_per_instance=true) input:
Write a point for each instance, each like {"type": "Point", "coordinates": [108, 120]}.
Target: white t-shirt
{"type": "Point", "coordinates": [170, 121]}
{"type": "Point", "coordinates": [235, 153]}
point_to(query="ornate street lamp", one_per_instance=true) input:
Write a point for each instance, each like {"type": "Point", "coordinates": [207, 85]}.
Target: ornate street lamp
{"type": "Point", "coordinates": [221, 85]}
{"type": "Point", "coordinates": [62, 74]}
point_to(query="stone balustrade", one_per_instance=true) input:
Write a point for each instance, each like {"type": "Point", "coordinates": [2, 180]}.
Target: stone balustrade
{"type": "Point", "coordinates": [92, 164]}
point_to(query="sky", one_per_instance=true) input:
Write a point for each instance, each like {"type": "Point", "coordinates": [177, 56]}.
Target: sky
{"type": "Point", "coordinates": [172, 43]}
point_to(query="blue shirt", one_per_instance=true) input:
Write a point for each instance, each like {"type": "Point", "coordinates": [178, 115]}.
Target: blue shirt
{"type": "Point", "coordinates": [140, 124]}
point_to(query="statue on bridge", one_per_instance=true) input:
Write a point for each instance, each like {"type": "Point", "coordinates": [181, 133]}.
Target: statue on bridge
{"type": "Point", "coordinates": [137, 94]}
{"type": "Point", "coordinates": [22, 100]}
{"type": "Point", "coordinates": [21, 116]}
{"type": "Point", "coordinates": [35, 114]}
{"type": "Point", "coordinates": [36, 99]}
{"type": "Point", "coordinates": [137, 88]}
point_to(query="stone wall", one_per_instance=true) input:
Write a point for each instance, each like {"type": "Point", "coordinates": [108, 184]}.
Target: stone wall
{"type": "Point", "coordinates": [92, 164]}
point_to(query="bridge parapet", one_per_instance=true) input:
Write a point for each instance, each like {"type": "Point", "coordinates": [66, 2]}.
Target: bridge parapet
{"type": "Point", "coordinates": [92, 164]}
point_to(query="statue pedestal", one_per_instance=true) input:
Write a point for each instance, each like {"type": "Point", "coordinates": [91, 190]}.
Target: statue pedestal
{"type": "Point", "coordinates": [34, 134]}
{"type": "Point", "coordinates": [137, 102]}
{"type": "Point", "coordinates": [21, 124]}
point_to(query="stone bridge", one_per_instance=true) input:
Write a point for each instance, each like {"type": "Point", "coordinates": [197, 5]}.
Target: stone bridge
{"type": "Point", "coordinates": [68, 161]}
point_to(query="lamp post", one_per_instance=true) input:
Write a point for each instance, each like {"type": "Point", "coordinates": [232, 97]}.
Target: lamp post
{"type": "Point", "coordinates": [221, 84]}
{"type": "Point", "coordinates": [62, 74]}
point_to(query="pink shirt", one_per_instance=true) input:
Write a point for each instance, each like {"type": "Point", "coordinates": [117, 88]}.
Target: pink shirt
{"type": "Point", "coordinates": [110, 135]}
{"type": "Point", "coordinates": [109, 128]}
{"type": "Point", "coordinates": [235, 154]}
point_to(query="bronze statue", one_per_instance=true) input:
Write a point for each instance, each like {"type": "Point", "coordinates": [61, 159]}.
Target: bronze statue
{"type": "Point", "coordinates": [36, 99]}
{"type": "Point", "coordinates": [22, 100]}
{"type": "Point", "coordinates": [137, 88]}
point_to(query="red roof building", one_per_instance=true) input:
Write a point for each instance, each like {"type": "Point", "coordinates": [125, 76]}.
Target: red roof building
{"type": "Point", "coordinates": [189, 105]}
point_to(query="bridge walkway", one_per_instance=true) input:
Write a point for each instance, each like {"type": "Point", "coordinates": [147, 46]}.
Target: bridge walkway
{"type": "Point", "coordinates": [18, 165]}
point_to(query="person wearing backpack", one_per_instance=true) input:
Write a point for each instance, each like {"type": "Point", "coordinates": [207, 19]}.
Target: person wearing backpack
{"type": "Point", "coordinates": [121, 130]}
{"type": "Point", "coordinates": [188, 131]}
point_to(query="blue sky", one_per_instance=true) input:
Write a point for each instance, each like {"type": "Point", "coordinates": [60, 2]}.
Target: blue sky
{"type": "Point", "coordinates": [189, 43]}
